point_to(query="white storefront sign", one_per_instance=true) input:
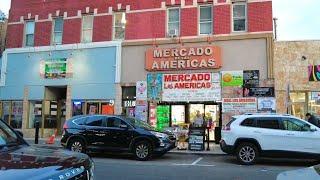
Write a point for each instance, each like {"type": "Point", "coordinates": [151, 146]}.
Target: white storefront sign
{"type": "Point", "coordinates": [191, 87]}
{"type": "Point", "coordinates": [141, 90]}
{"type": "Point", "coordinates": [267, 104]}
{"type": "Point", "coordinates": [239, 105]}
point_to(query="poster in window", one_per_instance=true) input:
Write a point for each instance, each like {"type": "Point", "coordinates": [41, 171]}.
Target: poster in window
{"type": "Point", "coordinates": [154, 86]}
{"type": "Point", "coordinates": [107, 109]}
{"type": "Point", "coordinates": [93, 109]}
{"type": "Point", "coordinates": [141, 90]}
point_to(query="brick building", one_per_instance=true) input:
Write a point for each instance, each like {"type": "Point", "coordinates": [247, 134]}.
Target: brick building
{"type": "Point", "coordinates": [103, 48]}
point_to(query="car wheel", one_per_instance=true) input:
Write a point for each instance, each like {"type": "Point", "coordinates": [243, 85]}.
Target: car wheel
{"type": "Point", "coordinates": [247, 153]}
{"type": "Point", "coordinates": [76, 145]}
{"type": "Point", "coordinates": [142, 150]}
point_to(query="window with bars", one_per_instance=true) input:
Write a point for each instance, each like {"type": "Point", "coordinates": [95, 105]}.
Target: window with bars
{"type": "Point", "coordinates": [87, 28]}
{"type": "Point", "coordinates": [57, 31]}
{"type": "Point", "coordinates": [239, 17]}
{"type": "Point", "coordinates": [119, 26]}
{"type": "Point", "coordinates": [205, 20]}
{"type": "Point", "coordinates": [29, 33]}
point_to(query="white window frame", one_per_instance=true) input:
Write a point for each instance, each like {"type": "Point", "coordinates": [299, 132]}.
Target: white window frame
{"type": "Point", "coordinates": [246, 17]}
{"type": "Point", "coordinates": [25, 33]}
{"type": "Point", "coordinates": [53, 32]}
{"type": "Point", "coordinates": [199, 19]}
{"type": "Point", "coordinates": [82, 28]}
{"type": "Point", "coordinates": [167, 24]}
{"type": "Point", "coordinates": [114, 26]}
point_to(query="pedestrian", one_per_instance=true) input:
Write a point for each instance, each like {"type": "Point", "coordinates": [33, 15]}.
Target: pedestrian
{"type": "Point", "coordinates": [312, 119]}
{"type": "Point", "coordinates": [198, 120]}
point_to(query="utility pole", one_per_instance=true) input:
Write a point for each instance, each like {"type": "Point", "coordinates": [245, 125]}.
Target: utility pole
{"type": "Point", "coordinates": [275, 28]}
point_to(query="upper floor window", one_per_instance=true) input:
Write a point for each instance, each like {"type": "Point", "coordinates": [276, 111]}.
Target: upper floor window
{"type": "Point", "coordinates": [29, 33]}
{"type": "Point", "coordinates": [239, 17]}
{"type": "Point", "coordinates": [174, 21]}
{"type": "Point", "coordinates": [205, 20]}
{"type": "Point", "coordinates": [119, 26]}
{"type": "Point", "coordinates": [57, 31]}
{"type": "Point", "coordinates": [87, 29]}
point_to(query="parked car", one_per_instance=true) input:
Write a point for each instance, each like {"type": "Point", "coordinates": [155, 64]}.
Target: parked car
{"type": "Point", "coordinates": [115, 134]}
{"type": "Point", "coordinates": [251, 136]}
{"type": "Point", "coordinates": [18, 160]}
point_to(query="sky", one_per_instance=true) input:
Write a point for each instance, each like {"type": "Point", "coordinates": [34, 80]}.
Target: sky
{"type": "Point", "coordinates": [297, 19]}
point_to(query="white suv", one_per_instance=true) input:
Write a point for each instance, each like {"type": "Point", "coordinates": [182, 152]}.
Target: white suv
{"type": "Point", "coordinates": [249, 136]}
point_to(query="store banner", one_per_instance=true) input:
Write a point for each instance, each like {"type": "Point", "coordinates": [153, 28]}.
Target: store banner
{"type": "Point", "coordinates": [191, 87]}
{"type": "Point", "coordinates": [251, 78]}
{"type": "Point", "coordinates": [141, 90]}
{"type": "Point", "coordinates": [154, 87]}
{"type": "Point", "coordinates": [56, 68]}
{"type": "Point", "coordinates": [314, 72]}
{"type": "Point", "coordinates": [183, 58]}
{"type": "Point", "coordinates": [267, 104]}
{"type": "Point", "coordinates": [239, 105]}
{"type": "Point", "coordinates": [258, 92]}
{"type": "Point", "coordinates": [232, 78]}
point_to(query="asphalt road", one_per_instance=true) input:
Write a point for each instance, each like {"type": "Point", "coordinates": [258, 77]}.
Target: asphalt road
{"type": "Point", "coordinates": [190, 167]}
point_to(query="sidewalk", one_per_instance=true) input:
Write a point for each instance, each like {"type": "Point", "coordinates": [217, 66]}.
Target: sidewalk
{"type": "Point", "coordinates": [214, 148]}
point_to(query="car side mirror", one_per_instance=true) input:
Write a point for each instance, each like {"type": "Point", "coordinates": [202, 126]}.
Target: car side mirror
{"type": "Point", "coordinates": [19, 132]}
{"type": "Point", "coordinates": [123, 126]}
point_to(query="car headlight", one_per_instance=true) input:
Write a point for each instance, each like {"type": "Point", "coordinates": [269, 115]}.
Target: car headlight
{"type": "Point", "coordinates": [159, 135]}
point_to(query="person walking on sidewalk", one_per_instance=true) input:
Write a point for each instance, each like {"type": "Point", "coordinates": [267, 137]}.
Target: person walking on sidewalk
{"type": "Point", "coordinates": [312, 119]}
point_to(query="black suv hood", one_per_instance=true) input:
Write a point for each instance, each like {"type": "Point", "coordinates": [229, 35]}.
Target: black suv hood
{"type": "Point", "coordinates": [29, 162]}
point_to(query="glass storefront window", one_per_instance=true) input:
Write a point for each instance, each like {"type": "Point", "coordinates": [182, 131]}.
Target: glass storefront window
{"type": "Point", "coordinates": [298, 104]}
{"type": "Point", "coordinates": [93, 108]}
{"type": "Point", "coordinates": [177, 114]}
{"type": "Point", "coordinates": [35, 113]}
{"type": "Point", "coordinates": [107, 108]}
{"type": "Point", "coordinates": [314, 103]}
{"type": "Point", "coordinates": [6, 108]}
{"type": "Point", "coordinates": [16, 117]}
{"type": "Point", "coordinates": [50, 114]}
{"type": "Point", "coordinates": [194, 109]}
{"type": "Point", "coordinates": [78, 108]}
{"type": "Point", "coordinates": [297, 97]}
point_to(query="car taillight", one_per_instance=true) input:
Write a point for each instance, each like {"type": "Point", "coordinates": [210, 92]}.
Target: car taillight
{"type": "Point", "coordinates": [65, 126]}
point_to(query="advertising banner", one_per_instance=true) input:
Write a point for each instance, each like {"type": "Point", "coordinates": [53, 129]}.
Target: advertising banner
{"type": "Point", "coordinates": [141, 90]}
{"type": "Point", "coordinates": [267, 104]}
{"type": "Point", "coordinates": [191, 87]}
{"type": "Point", "coordinates": [314, 72]}
{"type": "Point", "coordinates": [251, 78]}
{"type": "Point", "coordinates": [258, 92]}
{"type": "Point", "coordinates": [154, 87]}
{"type": "Point", "coordinates": [141, 111]}
{"type": "Point", "coordinates": [164, 59]}
{"type": "Point", "coordinates": [232, 78]}
{"type": "Point", "coordinates": [239, 105]}
{"type": "Point", "coordinates": [56, 68]}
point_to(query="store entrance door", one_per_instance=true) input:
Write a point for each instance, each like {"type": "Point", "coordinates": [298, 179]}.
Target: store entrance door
{"type": "Point", "coordinates": [210, 114]}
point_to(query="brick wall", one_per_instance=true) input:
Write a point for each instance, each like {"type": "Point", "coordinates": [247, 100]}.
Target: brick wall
{"type": "Point", "coordinates": [189, 22]}
{"type": "Point", "coordinates": [222, 19]}
{"type": "Point", "coordinates": [71, 31]}
{"type": "Point", "coordinates": [146, 25]}
{"type": "Point", "coordinates": [260, 16]}
{"type": "Point", "coordinates": [14, 36]}
{"type": "Point", "coordinates": [42, 33]}
{"type": "Point", "coordinates": [102, 28]}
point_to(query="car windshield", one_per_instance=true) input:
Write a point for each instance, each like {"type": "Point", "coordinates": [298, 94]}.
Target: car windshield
{"type": "Point", "coordinates": [140, 124]}
{"type": "Point", "coordinates": [7, 136]}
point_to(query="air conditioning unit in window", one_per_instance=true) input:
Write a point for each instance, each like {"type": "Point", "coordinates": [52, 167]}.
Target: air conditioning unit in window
{"type": "Point", "coordinates": [173, 33]}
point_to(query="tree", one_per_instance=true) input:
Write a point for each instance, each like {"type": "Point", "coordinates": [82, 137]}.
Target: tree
{"type": "Point", "coordinates": [2, 16]}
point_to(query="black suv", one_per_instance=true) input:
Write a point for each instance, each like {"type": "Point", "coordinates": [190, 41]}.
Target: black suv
{"type": "Point", "coordinates": [115, 134]}
{"type": "Point", "coordinates": [18, 160]}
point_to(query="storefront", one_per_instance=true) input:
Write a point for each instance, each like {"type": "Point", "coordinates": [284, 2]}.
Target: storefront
{"type": "Point", "coordinates": [51, 84]}
{"type": "Point", "coordinates": [297, 77]}
{"type": "Point", "coordinates": [192, 81]}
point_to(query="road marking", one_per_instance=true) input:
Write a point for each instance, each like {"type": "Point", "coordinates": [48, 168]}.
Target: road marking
{"type": "Point", "coordinates": [196, 161]}
{"type": "Point", "coordinates": [203, 165]}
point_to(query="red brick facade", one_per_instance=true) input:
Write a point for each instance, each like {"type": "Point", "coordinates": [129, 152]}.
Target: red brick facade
{"type": "Point", "coordinates": [146, 19]}
{"type": "Point", "coordinates": [42, 33]}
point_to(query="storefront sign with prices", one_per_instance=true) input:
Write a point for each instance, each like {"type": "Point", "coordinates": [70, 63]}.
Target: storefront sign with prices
{"type": "Point", "coordinates": [191, 87]}
{"type": "Point", "coordinates": [196, 139]}
{"type": "Point", "coordinates": [239, 105]}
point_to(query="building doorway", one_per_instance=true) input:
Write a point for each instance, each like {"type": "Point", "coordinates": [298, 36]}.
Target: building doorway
{"type": "Point", "coordinates": [54, 108]}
